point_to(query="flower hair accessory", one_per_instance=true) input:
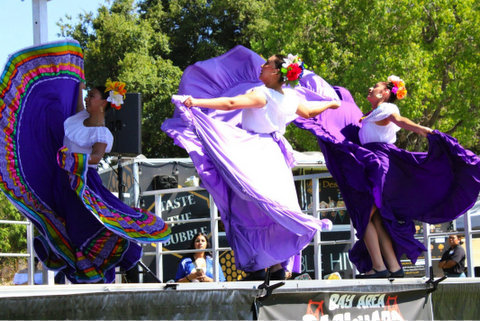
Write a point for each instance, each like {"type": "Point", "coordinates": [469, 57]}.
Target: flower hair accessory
{"type": "Point", "coordinates": [292, 70]}
{"type": "Point", "coordinates": [117, 93]}
{"type": "Point", "coordinates": [398, 86]}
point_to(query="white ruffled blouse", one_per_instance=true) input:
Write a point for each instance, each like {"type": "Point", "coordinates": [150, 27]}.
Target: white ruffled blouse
{"type": "Point", "coordinates": [274, 116]}
{"type": "Point", "coordinates": [80, 138]}
{"type": "Point", "coordinates": [373, 133]}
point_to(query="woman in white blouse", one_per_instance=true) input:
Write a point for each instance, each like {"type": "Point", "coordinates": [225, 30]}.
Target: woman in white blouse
{"type": "Point", "coordinates": [380, 125]}
{"type": "Point", "coordinates": [267, 109]}
{"type": "Point", "coordinates": [99, 224]}
{"type": "Point", "coordinates": [85, 132]}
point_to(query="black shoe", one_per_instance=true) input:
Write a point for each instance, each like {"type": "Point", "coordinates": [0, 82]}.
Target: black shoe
{"type": "Point", "coordinates": [397, 274]}
{"type": "Point", "coordinates": [377, 275]}
{"type": "Point", "coordinates": [255, 276]}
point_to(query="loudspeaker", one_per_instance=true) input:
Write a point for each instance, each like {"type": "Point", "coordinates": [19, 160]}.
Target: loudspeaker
{"type": "Point", "coordinates": [125, 125]}
{"type": "Point", "coordinates": [164, 182]}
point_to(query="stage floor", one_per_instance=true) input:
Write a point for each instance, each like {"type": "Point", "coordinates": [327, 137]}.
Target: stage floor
{"type": "Point", "coordinates": [453, 299]}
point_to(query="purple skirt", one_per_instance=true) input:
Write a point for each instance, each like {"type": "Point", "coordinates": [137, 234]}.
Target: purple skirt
{"type": "Point", "coordinates": [248, 175]}
{"type": "Point", "coordinates": [433, 187]}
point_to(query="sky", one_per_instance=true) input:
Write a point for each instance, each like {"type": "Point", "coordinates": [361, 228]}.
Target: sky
{"type": "Point", "coordinates": [16, 27]}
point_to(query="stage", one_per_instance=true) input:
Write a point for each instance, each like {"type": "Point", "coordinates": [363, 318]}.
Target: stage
{"type": "Point", "coordinates": [382, 299]}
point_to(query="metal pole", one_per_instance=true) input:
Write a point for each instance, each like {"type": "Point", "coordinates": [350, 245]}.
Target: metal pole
{"type": "Point", "coordinates": [136, 184]}
{"type": "Point", "coordinates": [353, 239]}
{"type": "Point", "coordinates": [31, 256]}
{"type": "Point", "coordinates": [39, 19]}
{"type": "Point", "coordinates": [159, 247]}
{"type": "Point", "coordinates": [317, 239]}
{"type": "Point", "coordinates": [428, 254]}
{"type": "Point", "coordinates": [468, 244]}
{"type": "Point", "coordinates": [214, 230]}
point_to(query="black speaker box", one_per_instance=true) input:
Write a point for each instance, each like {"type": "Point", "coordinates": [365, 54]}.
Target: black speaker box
{"type": "Point", "coordinates": [164, 182]}
{"type": "Point", "coordinates": [125, 125]}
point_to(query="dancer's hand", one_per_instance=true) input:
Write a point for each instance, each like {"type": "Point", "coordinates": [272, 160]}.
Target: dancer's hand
{"type": "Point", "coordinates": [334, 104]}
{"type": "Point", "coordinates": [425, 131]}
{"type": "Point", "coordinates": [189, 102]}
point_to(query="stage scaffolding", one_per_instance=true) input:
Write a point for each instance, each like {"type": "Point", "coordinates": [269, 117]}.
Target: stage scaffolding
{"type": "Point", "coordinates": [135, 196]}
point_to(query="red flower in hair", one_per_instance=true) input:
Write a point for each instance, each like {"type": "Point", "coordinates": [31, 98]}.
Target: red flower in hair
{"type": "Point", "coordinates": [293, 72]}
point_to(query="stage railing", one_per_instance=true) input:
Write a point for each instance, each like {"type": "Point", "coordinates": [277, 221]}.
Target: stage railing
{"type": "Point", "coordinates": [214, 218]}
{"type": "Point", "coordinates": [469, 250]}
{"type": "Point", "coordinates": [316, 211]}
{"type": "Point", "coordinates": [30, 253]}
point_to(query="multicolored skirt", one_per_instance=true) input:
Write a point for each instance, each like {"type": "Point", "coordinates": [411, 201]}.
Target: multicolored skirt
{"type": "Point", "coordinates": [84, 231]}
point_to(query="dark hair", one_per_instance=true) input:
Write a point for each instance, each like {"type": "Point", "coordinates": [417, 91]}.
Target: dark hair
{"type": "Point", "coordinates": [278, 61]}
{"type": "Point", "coordinates": [192, 244]}
{"type": "Point", "coordinates": [104, 95]}
{"type": "Point", "coordinates": [459, 237]}
{"type": "Point", "coordinates": [392, 97]}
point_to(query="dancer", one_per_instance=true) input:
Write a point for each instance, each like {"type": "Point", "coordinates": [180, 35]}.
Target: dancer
{"type": "Point", "coordinates": [386, 188]}
{"type": "Point", "coordinates": [198, 267]}
{"type": "Point", "coordinates": [381, 126]}
{"type": "Point", "coordinates": [84, 231]}
{"type": "Point", "coordinates": [248, 170]}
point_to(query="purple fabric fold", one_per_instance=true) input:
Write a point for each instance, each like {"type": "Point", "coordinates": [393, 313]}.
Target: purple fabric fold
{"type": "Point", "coordinates": [228, 75]}
{"type": "Point", "coordinates": [250, 179]}
{"type": "Point", "coordinates": [437, 186]}
{"type": "Point", "coordinates": [432, 187]}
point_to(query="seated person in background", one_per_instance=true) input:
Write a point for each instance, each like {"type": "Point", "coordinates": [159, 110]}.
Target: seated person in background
{"type": "Point", "coordinates": [198, 267]}
{"type": "Point", "coordinates": [453, 259]}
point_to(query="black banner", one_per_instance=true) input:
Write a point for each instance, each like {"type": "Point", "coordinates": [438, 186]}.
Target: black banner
{"type": "Point", "coordinates": [346, 306]}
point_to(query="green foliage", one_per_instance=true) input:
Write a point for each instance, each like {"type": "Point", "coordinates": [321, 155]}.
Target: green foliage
{"type": "Point", "coordinates": [13, 237]}
{"type": "Point", "coordinates": [121, 46]}
{"type": "Point", "coordinates": [201, 29]}
{"type": "Point", "coordinates": [432, 45]}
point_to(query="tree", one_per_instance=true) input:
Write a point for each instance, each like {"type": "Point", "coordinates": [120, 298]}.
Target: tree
{"type": "Point", "coordinates": [432, 45]}
{"type": "Point", "coordinates": [13, 236]}
{"type": "Point", "coordinates": [202, 29]}
{"type": "Point", "coordinates": [119, 45]}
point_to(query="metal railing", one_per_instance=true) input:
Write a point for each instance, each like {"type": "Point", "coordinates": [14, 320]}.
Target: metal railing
{"type": "Point", "coordinates": [29, 255]}
{"type": "Point", "coordinates": [468, 231]}
{"type": "Point", "coordinates": [214, 219]}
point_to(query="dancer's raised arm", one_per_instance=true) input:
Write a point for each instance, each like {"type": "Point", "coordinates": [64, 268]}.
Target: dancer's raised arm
{"type": "Point", "coordinates": [80, 105]}
{"type": "Point", "coordinates": [248, 100]}
{"type": "Point", "coordinates": [251, 165]}
{"type": "Point", "coordinates": [407, 124]}
{"type": "Point", "coordinates": [316, 108]}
